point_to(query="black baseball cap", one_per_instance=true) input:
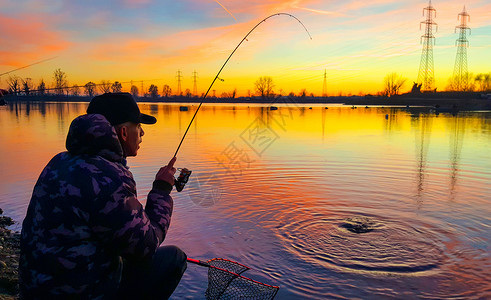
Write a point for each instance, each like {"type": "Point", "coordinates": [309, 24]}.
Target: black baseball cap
{"type": "Point", "coordinates": [118, 108]}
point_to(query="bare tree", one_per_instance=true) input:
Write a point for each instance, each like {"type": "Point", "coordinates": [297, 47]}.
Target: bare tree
{"type": "Point", "coordinates": [134, 91]}
{"type": "Point", "coordinates": [166, 91]}
{"type": "Point", "coordinates": [187, 93]}
{"type": "Point", "coordinates": [14, 84]}
{"type": "Point", "coordinates": [393, 83]}
{"type": "Point", "coordinates": [41, 89]}
{"type": "Point", "coordinates": [75, 90]}
{"type": "Point", "coordinates": [90, 88]}
{"type": "Point", "coordinates": [105, 86]}
{"type": "Point", "coordinates": [153, 90]}
{"type": "Point", "coordinates": [61, 81]}
{"type": "Point", "coordinates": [484, 82]}
{"type": "Point", "coordinates": [27, 85]}
{"type": "Point", "coordinates": [116, 87]}
{"type": "Point", "coordinates": [303, 93]}
{"type": "Point", "coordinates": [231, 95]}
{"type": "Point", "coordinates": [464, 83]}
{"type": "Point", "coordinates": [264, 86]}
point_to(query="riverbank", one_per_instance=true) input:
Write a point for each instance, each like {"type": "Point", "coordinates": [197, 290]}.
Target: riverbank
{"type": "Point", "coordinates": [456, 100]}
{"type": "Point", "coordinates": [9, 259]}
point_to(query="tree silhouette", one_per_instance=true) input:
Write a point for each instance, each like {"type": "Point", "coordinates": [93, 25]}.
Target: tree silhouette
{"type": "Point", "coordinates": [393, 83]}
{"type": "Point", "coordinates": [75, 90]}
{"type": "Point", "coordinates": [484, 82]}
{"type": "Point", "coordinates": [153, 90]}
{"type": "Point", "coordinates": [41, 87]}
{"type": "Point", "coordinates": [303, 93]}
{"type": "Point", "coordinates": [26, 85]}
{"type": "Point", "coordinates": [455, 83]}
{"type": "Point", "coordinates": [166, 91]}
{"type": "Point", "coordinates": [105, 86]}
{"type": "Point", "coordinates": [116, 87]}
{"type": "Point", "coordinates": [134, 91]}
{"type": "Point", "coordinates": [187, 93]}
{"type": "Point", "coordinates": [14, 84]}
{"type": "Point", "coordinates": [89, 89]}
{"type": "Point", "coordinates": [61, 81]}
{"type": "Point", "coordinates": [264, 86]}
{"type": "Point", "coordinates": [231, 95]}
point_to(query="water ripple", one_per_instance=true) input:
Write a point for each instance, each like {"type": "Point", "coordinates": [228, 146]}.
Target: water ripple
{"type": "Point", "coordinates": [380, 244]}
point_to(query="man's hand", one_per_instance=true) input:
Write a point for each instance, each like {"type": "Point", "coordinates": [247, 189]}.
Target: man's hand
{"type": "Point", "coordinates": [167, 173]}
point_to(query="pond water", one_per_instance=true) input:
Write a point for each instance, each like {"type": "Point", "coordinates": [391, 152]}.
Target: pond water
{"type": "Point", "coordinates": [324, 201]}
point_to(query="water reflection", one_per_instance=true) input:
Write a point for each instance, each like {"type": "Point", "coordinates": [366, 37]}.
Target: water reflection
{"type": "Point", "coordinates": [456, 138]}
{"type": "Point", "coordinates": [285, 212]}
{"type": "Point", "coordinates": [422, 126]}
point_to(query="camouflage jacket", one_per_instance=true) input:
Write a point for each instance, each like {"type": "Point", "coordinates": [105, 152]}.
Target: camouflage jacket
{"type": "Point", "coordinates": [84, 217]}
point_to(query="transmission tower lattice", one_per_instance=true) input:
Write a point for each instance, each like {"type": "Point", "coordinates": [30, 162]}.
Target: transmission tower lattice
{"type": "Point", "coordinates": [460, 75]}
{"type": "Point", "coordinates": [426, 74]}
{"type": "Point", "coordinates": [195, 85]}
{"type": "Point", "coordinates": [324, 86]}
{"type": "Point", "coordinates": [179, 76]}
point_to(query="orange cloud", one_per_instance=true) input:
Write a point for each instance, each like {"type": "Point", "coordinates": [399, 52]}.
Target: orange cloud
{"type": "Point", "coordinates": [25, 39]}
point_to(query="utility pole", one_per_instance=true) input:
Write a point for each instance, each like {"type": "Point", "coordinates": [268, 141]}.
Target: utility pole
{"type": "Point", "coordinates": [179, 76]}
{"type": "Point", "coordinates": [195, 86]}
{"type": "Point", "coordinates": [460, 75]}
{"type": "Point", "coordinates": [324, 86]}
{"type": "Point", "coordinates": [143, 92]}
{"type": "Point", "coordinates": [426, 74]}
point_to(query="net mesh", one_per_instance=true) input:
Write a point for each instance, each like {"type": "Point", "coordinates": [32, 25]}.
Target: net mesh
{"type": "Point", "coordinates": [222, 284]}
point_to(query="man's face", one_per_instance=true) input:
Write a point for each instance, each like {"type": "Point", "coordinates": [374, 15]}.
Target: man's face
{"type": "Point", "coordinates": [130, 138]}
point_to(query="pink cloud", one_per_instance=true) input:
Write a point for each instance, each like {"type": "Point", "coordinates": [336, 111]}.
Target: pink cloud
{"type": "Point", "coordinates": [25, 38]}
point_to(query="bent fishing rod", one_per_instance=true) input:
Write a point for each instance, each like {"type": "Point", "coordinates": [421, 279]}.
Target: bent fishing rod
{"type": "Point", "coordinates": [223, 66]}
{"type": "Point", "coordinates": [183, 178]}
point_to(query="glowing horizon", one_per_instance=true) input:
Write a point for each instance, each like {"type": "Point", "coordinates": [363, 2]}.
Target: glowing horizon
{"type": "Point", "coordinates": [357, 43]}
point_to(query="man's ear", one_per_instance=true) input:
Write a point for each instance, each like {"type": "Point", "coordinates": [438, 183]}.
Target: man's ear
{"type": "Point", "coordinates": [122, 132]}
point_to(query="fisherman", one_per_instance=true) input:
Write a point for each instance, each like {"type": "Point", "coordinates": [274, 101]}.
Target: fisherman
{"type": "Point", "coordinates": [86, 235]}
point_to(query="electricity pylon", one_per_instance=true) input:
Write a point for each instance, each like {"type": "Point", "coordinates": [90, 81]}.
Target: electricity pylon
{"type": "Point", "coordinates": [179, 76]}
{"type": "Point", "coordinates": [426, 74]}
{"type": "Point", "coordinates": [460, 75]}
{"type": "Point", "coordinates": [195, 85]}
{"type": "Point", "coordinates": [324, 86]}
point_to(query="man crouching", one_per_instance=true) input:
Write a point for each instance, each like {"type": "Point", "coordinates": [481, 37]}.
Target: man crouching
{"type": "Point", "coordinates": [86, 235]}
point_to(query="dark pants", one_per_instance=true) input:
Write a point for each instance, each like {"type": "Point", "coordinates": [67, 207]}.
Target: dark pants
{"type": "Point", "coordinates": [155, 279]}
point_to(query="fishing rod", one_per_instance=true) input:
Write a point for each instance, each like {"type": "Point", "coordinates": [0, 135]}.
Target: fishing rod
{"type": "Point", "coordinates": [183, 178]}
{"type": "Point", "coordinates": [223, 66]}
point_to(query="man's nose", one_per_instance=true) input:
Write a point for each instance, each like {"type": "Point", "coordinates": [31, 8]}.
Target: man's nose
{"type": "Point", "coordinates": [142, 133]}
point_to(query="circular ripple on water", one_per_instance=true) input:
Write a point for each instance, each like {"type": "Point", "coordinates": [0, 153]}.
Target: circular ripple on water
{"type": "Point", "coordinates": [364, 243]}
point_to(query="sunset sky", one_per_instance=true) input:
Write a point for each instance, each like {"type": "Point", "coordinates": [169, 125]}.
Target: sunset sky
{"type": "Point", "coordinates": [356, 42]}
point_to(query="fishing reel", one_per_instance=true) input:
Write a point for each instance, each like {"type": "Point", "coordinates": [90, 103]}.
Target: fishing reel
{"type": "Point", "coordinates": [183, 178]}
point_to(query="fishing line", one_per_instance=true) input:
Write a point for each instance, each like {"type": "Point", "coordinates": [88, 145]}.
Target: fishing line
{"type": "Point", "coordinates": [223, 66]}
{"type": "Point", "coordinates": [33, 64]}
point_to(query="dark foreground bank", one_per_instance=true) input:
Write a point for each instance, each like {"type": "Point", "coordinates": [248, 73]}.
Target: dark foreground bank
{"type": "Point", "coordinates": [9, 259]}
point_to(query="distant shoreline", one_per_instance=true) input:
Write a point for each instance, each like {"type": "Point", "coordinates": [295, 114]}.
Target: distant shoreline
{"type": "Point", "coordinates": [455, 100]}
